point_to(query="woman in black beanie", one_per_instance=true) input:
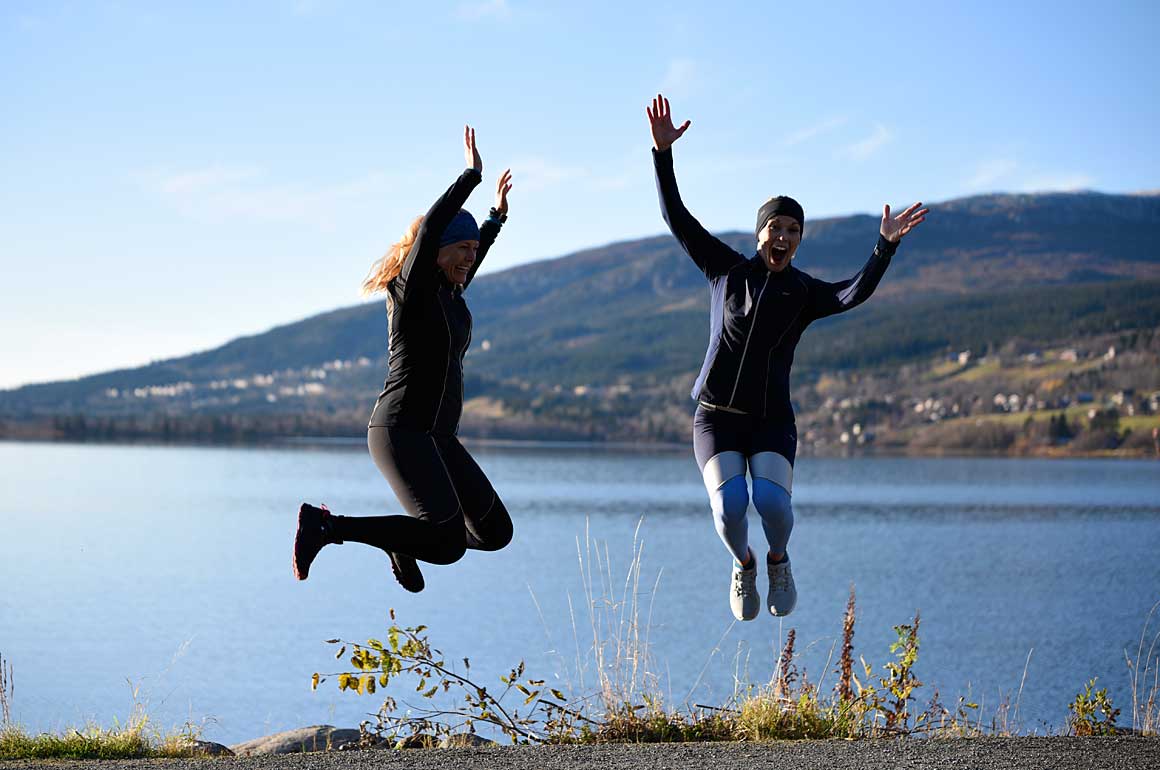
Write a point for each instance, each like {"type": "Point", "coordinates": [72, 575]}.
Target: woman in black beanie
{"type": "Point", "coordinates": [759, 308]}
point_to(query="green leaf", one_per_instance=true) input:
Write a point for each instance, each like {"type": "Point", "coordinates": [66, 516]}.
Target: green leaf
{"type": "Point", "coordinates": [376, 644]}
{"type": "Point", "coordinates": [430, 693]}
{"type": "Point", "coordinates": [558, 695]}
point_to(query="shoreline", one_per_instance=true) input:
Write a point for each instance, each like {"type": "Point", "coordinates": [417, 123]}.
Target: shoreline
{"type": "Point", "coordinates": [348, 442]}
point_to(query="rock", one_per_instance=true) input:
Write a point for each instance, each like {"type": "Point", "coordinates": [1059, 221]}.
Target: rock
{"type": "Point", "coordinates": [303, 739]}
{"type": "Point", "coordinates": [465, 741]}
{"type": "Point", "coordinates": [419, 741]}
{"type": "Point", "coordinates": [209, 749]}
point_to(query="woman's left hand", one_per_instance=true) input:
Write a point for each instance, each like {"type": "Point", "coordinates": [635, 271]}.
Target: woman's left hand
{"type": "Point", "coordinates": [502, 188]}
{"type": "Point", "coordinates": [893, 228]}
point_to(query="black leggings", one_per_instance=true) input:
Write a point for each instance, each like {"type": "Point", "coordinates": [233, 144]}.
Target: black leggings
{"type": "Point", "coordinates": [451, 504]}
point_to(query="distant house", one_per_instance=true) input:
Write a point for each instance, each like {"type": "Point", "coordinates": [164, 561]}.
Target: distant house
{"type": "Point", "coordinates": [1069, 355]}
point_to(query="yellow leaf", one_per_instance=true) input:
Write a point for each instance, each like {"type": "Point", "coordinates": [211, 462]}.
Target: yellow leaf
{"type": "Point", "coordinates": [314, 681]}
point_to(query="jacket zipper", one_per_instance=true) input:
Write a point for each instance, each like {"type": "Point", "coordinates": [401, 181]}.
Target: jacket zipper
{"type": "Point", "coordinates": [744, 350]}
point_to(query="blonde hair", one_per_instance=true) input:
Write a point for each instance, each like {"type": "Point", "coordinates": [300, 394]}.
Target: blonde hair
{"type": "Point", "coordinates": [384, 270]}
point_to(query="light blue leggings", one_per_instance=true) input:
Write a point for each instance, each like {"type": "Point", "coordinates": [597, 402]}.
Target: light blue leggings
{"type": "Point", "coordinates": [730, 504]}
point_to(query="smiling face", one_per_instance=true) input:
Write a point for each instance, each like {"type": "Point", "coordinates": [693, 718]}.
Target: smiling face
{"type": "Point", "coordinates": [456, 259]}
{"type": "Point", "coordinates": [778, 241]}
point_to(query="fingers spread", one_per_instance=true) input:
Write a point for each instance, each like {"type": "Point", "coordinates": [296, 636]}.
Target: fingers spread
{"type": "Point", "coordinates": [909, 210]}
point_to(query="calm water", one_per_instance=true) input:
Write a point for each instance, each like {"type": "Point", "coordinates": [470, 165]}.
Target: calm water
{"type": "Point", "coordinates": [170, 568]}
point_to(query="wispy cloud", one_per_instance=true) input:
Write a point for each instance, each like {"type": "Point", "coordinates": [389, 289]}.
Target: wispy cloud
{"type": "Point", "coordinates": [482, 9]}
{"type": "Point", "coordinates": [1057, 182]}
{"type": "Point", "coordinates": [223, 193]}
{"type": "Point", "coordinates": [865, 148]}
{"type": "Point", "coordinates": [536, 173]}
{"type": "Point", "coordinates": [310, 7]}
{"type": "Point", "coordinates": [533, 174]}
{"type": "Point", "coordinates": [809, 132]}
{"type": "Point", "coordinates": [990, 172]}
{"type": "Point", "coordinates": [27, 23]}
{"type": "Point", "coordinates": [680, 78]}
{"type": "Point", "coordinates": [192, 182]}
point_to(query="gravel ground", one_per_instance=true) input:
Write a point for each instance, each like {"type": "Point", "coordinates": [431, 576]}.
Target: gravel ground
{"type": "Point", "coordinates": [1021, 753]}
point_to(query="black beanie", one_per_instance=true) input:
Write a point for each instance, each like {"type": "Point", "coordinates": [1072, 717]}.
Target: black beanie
{"type": "Point", "coordinates": [782, 205]}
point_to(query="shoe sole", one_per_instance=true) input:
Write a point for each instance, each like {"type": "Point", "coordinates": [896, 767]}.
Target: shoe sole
{"type": "Point", "coordinates": [300, 572]}
{"type": "Point", "coordinates": [399, 572]}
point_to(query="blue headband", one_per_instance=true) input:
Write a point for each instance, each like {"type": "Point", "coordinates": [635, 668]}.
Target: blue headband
{"type": "Point", "coordinates": [462, 228]}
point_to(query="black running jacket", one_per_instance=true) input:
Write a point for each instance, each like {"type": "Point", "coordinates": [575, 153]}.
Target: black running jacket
{"type": "Point", "coordinates": [756, 316]}
{"type": "Point", "coordinates": [430, 326]}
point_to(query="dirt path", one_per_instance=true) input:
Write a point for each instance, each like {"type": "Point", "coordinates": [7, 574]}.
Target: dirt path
{"type": "Point", "coordinates": [959, 754]}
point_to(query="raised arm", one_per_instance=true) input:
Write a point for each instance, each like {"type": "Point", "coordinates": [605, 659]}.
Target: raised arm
{"type": "Point", "coordinates": [491, 226]}
{"type": "Point", "coordinates": [830, 298]}
{"type": "Point", "coordinates": [419, 267]}
{"type": "Point", "coordinates": [709, 253]}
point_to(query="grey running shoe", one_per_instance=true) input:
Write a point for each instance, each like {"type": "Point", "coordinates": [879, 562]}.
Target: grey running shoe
{"type": "Point", "coordinates": [743, 597]}
{"type": "Point", "coordinates": [314, 532]}
{"type": "Point", "coordinates": [406, 571]}
{"type": "Point", "coordinates": [782, 597]}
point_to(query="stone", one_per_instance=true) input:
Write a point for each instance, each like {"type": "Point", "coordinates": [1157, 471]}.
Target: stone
{"type": "Point", "coordinates": [210, 749]}
{"type": "Point", "coordinates": [465, 741]}
{"type": "Point", "coordinates": [297, 741]}
{"type": "Point", "coordinates": [418, 741]}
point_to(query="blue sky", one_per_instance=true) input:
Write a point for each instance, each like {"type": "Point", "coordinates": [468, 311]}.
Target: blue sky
{"type": "Point", "coordinates": [175, 175]}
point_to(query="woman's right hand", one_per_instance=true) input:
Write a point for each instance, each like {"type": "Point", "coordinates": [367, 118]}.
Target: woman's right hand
{"type": "Point", "coordinates": [660, 119]}
{"type": "Point", "coordinates": [470, 151]}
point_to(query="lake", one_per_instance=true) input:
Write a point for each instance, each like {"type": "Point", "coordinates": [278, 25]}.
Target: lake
{"type": "Point", "coordinates": [166, 570]}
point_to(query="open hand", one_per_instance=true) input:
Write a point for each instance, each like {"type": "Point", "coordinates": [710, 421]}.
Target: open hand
{"type": "Point", "coordinates": [470, 151]}
{"type": "Point", "coordinates": [660, 119]}
{"type": "Point", "coordinates": [893, 228]}
{"type": "Point", "coordinates": [502, 188]}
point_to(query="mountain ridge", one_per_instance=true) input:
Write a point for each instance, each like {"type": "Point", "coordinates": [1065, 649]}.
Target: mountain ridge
{"type": "Point", "coordinates": [630, 316]}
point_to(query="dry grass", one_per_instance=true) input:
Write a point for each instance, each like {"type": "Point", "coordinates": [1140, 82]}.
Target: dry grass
{"type": "Point", "coordinates": [1144, 670]}
{"type": "Point", "coordinates": [137, 739]}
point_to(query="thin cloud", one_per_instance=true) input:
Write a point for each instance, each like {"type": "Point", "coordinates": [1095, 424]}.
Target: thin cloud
{"type": "Point", "coordinates": [223, 193]}
{"type": "Point", "coordinates": [190, 182]}
{"type": "Point", "coordinates": [307, 7]}
{"type": "Point", "coordinates": [680, 78]}
{"type": "Point", "coordinates": [990, 172]}
{"type": "Point", "coordinates": [532, 174]}
{"type": "Point", "coordinates": [496, 9]}
{"type": "Point", "coordinates": [1063, 182]}
{"type": "Point", "coordinates": [861, 150]}
{"type": "Point", "coordinates": [809, 132]}
{"type": "Point", "coordinates": [535, 174]}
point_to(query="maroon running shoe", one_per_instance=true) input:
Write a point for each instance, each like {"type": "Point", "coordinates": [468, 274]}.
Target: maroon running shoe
{"type": "Point", "coordinates": [315, 530]}
{"type": "Point", "coordinates": [406, 571]}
